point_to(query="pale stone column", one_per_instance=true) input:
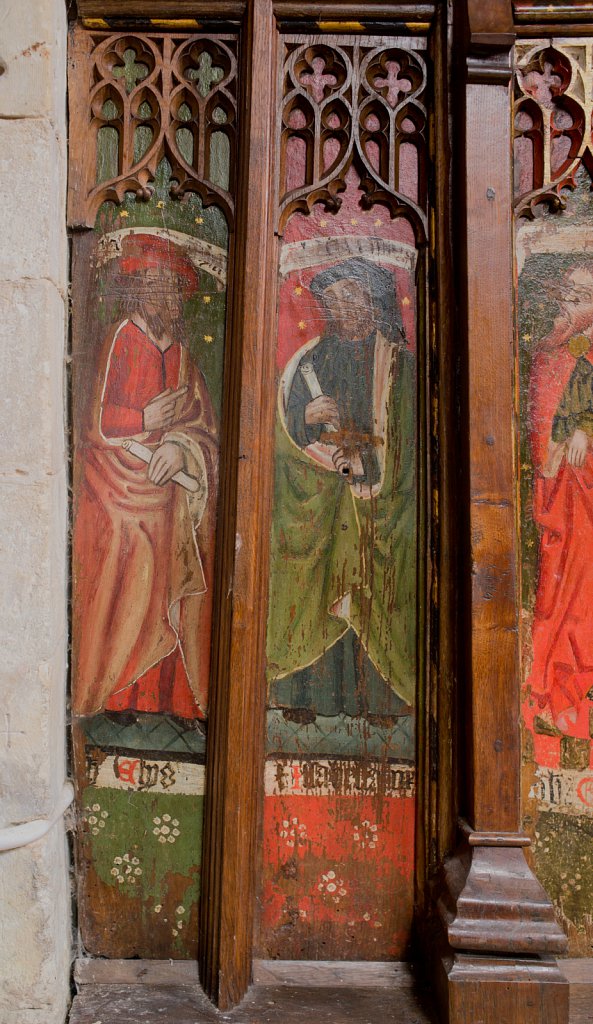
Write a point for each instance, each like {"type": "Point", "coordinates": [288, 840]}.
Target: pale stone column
{"type": "Point", "coordinates": [35, 927]}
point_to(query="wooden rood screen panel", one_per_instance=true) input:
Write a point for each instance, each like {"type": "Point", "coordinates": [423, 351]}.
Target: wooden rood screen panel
{"type": "Point", "coordinates": [342, 639]}
{"type": "Point", "coordinates": [149, 304]}
{"type": "Point", "coordinates": [154, 149]}
{"type": "Point", "coordinates": [553, 170]}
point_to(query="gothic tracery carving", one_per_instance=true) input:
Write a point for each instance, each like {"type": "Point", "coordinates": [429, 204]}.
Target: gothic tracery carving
{"type": "Point", "coordinates": [149, 96]}
{"type": "Point", "coordinates": [553, 121]}
{"type": "Point", "coordinates": [353, 103]}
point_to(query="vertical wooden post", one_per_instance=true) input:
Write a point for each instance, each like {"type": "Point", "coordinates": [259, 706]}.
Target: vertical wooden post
{"type": "Point", "coordinates": [499, 924]}
{"type": "Point", "coordinates": [236, 747]}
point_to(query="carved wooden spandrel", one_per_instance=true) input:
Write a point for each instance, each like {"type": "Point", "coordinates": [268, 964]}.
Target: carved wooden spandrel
{"type": "Point", "coordinates": [354, 103]}
{"type": "Point", "coordinates": [142, 97]}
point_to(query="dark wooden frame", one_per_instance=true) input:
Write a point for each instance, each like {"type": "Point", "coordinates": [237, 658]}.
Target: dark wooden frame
{"type": "Point", "coordinates": [498, 933]}
{"type": "Point", "coordinates": [488, 925]}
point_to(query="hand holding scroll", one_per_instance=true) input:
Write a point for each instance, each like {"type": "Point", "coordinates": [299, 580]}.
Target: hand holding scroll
{"type": "Point", "coordinates": [323, 410]}
{"type": "Point", "coordinates": [165, 463]}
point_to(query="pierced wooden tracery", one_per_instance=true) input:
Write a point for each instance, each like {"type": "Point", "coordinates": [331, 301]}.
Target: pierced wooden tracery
{"type": "Point", "coordinates": [139, 98]}
{"type": "Point", "coordinates": [354, 103]}
{"type": "Point", "coordinates": [553, 121]}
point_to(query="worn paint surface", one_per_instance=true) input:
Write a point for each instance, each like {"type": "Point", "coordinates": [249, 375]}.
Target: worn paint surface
{"type": "Point", "coordinates": [339, 806]}
{"type": "Point", "coordinates": [147, 369]}
{"type": "Point", "coordinates": [556, 373]}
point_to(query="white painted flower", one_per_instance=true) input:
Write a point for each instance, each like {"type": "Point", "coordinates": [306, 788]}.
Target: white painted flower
{"type": "Point", "coordinates": [293, 831]}
{"type": "Point", "coordinates": [181, 910]}
{"type": "Point", "coordinates": [158, 908]}
{"type": "Point", "coordinates": [126, 869]}
{"type": "Point", "coordinates": [164, 832]}
{"type": "Point", "coordinates": [366, 834]}
{"type": "Point", "coordinates": [332, 886]}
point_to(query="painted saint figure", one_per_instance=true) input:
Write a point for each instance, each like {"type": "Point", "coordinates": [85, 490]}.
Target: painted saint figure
{"type": "Point", "coordinates": [561, 401]}
{"type": "Point", "coordinates": [143, 534]}
{"type": "Point", "coordinates": [342, 627]}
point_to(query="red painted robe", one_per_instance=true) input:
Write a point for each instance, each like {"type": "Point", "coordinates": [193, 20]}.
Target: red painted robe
{"type": "Point", "coordinates": [143, 553]}
{"type": "Point", "coordinates": [562, 670]}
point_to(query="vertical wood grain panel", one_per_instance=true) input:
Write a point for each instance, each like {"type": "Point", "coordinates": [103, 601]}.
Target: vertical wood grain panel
{"type": "Point", "coordinates": [236, 746]}
{"type": "Point", "coordinates": [494, 654]}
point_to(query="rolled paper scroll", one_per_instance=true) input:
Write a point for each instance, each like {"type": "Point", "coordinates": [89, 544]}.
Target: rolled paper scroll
{"type": "Point", "coordinates": [142, 452]}
{"type": "Point", "coordinates": [312, 381]}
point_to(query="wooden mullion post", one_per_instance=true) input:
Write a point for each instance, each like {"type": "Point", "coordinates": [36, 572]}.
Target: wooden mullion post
{"type": "Point", "coordinates": [236, 747]}
{"type": "Point", "coordinates": [500, 933]}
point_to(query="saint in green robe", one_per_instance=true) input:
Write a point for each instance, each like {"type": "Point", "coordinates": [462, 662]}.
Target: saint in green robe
{"type": "Point", "coordinates": [343, 556]}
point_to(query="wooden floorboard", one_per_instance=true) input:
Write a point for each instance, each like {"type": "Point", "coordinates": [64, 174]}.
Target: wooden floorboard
{"type": "Point", "coordinates": [284, 992]}
{"type": "Point", "coordinates": [579, 973]}
{"type": "Point", "coordinates": [139, 992]}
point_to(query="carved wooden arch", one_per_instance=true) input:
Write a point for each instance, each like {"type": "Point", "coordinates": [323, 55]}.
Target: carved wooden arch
{"type": "Point", "coordinates": [365, 100]}
{"type": "Point", "coordinates": [152, 83]}
{"type": "Point", "coordinates": [553, 118]}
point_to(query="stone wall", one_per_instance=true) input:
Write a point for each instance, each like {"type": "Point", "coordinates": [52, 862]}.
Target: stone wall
{"type": "Point", "coordinates": [35, 930]}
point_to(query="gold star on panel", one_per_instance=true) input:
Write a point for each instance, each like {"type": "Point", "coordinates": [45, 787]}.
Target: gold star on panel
{"type": "Point", "coordinates": [323, 223]}
{"type": "Point", "coordinates": [302, 325]}
{"type": "Point", "coordinates": [208, 339]}
{"type": "Point", "coordinates": [206, 298]}
{"type": "Point", "coordinates": [199, 220]}
{"type": "Point", "coordinates": [298, 290]}
{"type": "Point", "coordinates": [405, 301]}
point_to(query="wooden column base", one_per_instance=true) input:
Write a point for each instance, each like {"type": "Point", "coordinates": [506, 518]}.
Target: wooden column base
{"type": "Point", "coordinates": [494, 990]}
{"type": "Point", "coordinates": [496, 937]}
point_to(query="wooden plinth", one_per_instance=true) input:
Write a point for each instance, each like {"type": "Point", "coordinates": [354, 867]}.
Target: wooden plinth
{"type": "Point", "coordinates": [493, 990]}
{"type": "Point", "coordinates": [497, 938]}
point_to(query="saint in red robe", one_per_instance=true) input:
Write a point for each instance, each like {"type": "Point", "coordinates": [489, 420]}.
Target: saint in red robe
{"type": "Point", "coordinates": [561, 401]}
{"type": "Point", "coordinates": [142, 552]}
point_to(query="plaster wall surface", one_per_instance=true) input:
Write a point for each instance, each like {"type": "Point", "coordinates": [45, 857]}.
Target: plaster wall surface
{"type": "Point", "coordinates": [35, 930]}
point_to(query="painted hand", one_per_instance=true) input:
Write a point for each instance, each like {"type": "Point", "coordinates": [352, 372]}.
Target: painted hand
{"type": "Point", "coordinates": [348, 464]}
{"type": "Point", "coordinates": [577, 449]}
{"type": "Point", "coordinates": [165, 463]}
{"type": "Point", "coordinates": [322, 410]}
{"type": "Point", "coordinates": [162, 410]}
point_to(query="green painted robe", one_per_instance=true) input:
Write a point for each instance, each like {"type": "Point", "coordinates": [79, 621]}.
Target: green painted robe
{"type": "Point", "coordinates": [339, 560]}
